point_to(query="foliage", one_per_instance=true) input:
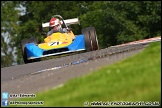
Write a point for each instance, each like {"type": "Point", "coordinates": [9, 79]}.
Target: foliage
{"type": "Point", "coordinates": [9, 30]}
{"type": "Point", "coordinates": [123, 21]}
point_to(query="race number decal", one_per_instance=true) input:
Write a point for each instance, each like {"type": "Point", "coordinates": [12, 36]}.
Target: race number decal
{"type": "Point", "coordinates": [54, 43]}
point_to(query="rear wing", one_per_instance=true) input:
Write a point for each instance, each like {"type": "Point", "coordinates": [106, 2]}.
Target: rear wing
{"type": "Point", "coordinates": [67, 22]}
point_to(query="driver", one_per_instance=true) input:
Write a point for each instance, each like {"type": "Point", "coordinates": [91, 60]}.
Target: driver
{"type": "Point", "coordinates": [55, 26]}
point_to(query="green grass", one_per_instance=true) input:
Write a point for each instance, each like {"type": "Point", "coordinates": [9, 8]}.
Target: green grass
{"type": "Point", "coordinates": [137, 78]}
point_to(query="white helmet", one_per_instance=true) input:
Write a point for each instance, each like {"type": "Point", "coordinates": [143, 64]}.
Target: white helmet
{"type": "Point", "coordinates": [55, 22]}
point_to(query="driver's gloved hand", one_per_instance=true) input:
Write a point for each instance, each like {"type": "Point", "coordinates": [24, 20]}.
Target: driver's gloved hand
{"type": "Point", "coordinates": [65, 30]}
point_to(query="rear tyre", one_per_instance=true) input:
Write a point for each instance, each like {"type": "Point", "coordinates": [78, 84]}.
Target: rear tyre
{"type": "Point", "coordinates": [94, 39]}
{"type": "Point", "coordinates": [33, 40]}
{"type": "Point", "coordinates": [87, 40]}
{"type": "Point", "coordinates": [90, 37]}
{"type": "Point", "coordinates": [23, 48]}
{"type": "Point", "coordinates": [24, 52]}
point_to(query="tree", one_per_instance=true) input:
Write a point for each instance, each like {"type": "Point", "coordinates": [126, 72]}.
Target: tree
{"type": "Point", "coordinates": [9, 27]}
{"type": "Point", "coordinates": [119, 22]}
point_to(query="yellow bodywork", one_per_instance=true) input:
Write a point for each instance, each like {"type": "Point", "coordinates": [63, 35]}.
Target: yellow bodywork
{"type": "Point", "coordinates": [57, 40]}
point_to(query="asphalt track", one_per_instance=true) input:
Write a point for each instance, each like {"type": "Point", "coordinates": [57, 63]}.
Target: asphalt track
{"type": "Point", "coordinates": [28, 78]}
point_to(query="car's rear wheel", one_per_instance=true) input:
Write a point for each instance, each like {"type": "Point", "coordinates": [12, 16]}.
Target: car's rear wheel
{"type": "Point", "coordinates": [23, 48]}
{"type": "Point", "coordinates": [90, 37]}
{"type": "Point", "coordinates": [24, 52]}
{"type": "Point", "coordinates": [94, 39]}
{"type": "Point", "coordinates": [33, 40]}
{"type": "Point", "coordinates": [87, 40]}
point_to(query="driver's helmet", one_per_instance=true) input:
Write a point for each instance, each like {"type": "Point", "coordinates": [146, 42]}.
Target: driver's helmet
{"type": "Point", "coordinates": [55, 23]}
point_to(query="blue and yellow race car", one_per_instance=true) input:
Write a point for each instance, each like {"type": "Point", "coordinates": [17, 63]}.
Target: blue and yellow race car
{"type": "Point", "coordinates": [60, 43]}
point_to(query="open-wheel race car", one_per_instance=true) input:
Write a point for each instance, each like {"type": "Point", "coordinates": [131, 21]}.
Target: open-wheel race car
{"type": "Point", "coordinates": [59, 43]}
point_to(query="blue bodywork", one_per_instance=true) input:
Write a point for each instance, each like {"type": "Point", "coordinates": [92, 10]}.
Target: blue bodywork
{"type": "Point", "coordinates": [33, 51]}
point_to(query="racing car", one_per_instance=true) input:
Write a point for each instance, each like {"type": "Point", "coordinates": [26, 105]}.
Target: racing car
{"type": "Point", "coordinates": [59, 43]}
